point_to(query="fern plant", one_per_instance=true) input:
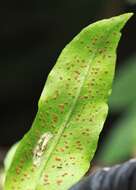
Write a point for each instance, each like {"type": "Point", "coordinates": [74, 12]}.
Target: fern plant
{"type": "Point", "coordinates": [57, 150]}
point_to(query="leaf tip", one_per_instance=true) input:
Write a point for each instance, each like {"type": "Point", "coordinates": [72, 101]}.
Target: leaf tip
{"type": "Point", "coordinates": [121, 20]}
{"type": "Point", "coordinates": [125, 17]}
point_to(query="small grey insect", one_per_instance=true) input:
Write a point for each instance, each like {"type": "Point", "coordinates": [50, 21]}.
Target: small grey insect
{"type": "Point", "coordinates": [40, 147]}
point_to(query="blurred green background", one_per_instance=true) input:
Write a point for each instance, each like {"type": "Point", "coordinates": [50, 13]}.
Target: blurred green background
{"type": "Point", "coordinates": [32, 35]}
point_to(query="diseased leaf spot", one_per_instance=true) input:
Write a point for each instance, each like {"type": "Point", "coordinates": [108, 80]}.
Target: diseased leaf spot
{"type": "Point", "coordinates": [41, 147]}
{"type": "Point", "coordinates": [55, 118]}
{"type": "Point", "coordinates": [58, 159]}
{"type": "Point", "coordinates": [61, 106]}
{"type": "Point", "coordinates": [65, 174]}
{"type": "Point", "coordinates": [59, 181]}
{"type": "Point", "coordinates": [61, 78]}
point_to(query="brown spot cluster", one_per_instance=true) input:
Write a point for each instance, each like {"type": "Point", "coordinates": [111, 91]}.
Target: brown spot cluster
{"type": "Point", "coordinates": [55, 118]}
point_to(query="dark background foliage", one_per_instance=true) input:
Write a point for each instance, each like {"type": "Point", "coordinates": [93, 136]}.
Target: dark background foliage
{"type": "Point", "coordinates": [32, 35]}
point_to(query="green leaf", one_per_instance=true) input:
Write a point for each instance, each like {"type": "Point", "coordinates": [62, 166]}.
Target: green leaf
{"type": "Point", "coordinates": [56, 152]}
{"type": "Point", "coordinates": [121, 142]}
{"type": "Point", "coordinates": [124, 93]}
{"type": "Point", "coordinates": [9, 156]}
{"type": "Point", "coordinates": [1, 178]}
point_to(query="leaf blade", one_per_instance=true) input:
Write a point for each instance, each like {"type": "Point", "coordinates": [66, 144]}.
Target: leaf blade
{"type": "Point", "coordinates": [80, 80]}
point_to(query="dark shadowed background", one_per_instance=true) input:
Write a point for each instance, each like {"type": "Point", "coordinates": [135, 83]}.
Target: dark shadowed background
{"type": "Point", "coordinates": [32, 35]}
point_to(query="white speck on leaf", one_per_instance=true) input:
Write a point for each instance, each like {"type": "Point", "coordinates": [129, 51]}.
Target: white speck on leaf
{"type": "Point", "coordinates": [41, 147]}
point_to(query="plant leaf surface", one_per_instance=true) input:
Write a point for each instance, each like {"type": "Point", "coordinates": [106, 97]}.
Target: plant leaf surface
{"type": "Point", "coordinates": [56, 152]}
